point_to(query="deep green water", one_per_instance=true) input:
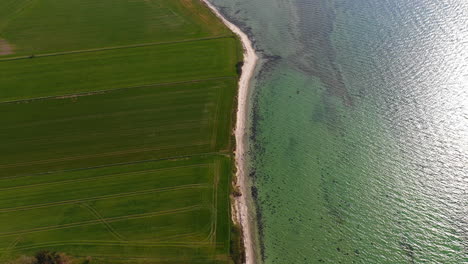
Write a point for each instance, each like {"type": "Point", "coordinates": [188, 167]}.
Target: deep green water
{"type": "Point", "coordinates": [359, 138]}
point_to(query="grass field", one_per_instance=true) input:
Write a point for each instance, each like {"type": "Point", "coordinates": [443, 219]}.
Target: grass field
{"type": "Point", "coordinates": [30, 78]}
{"type": "Point", "coordinates": [148, 210]}
{"type": "Point", "coordinates": [117, 126]}
{"type": "Point", "coordinates": [44, 26]}
{"type": "Point", "coordinates": [116, 133]}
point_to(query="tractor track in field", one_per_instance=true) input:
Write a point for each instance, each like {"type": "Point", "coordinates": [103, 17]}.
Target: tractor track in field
{"type": "Point", "coordinates": [115, 243]}
{"type": "Point", "coordinates": [89, 93]}
{"type": "Point", "coordinates": [34, 56]}
{"type": "Point", "coordinates": [101, 177]}
{"type": "Point", "coordinates": [203, 154]}
{"type": "Point", "coordinates": [14, 243]}
{"type": "Point", "coordinates": [103, 197]}
{"type": "Point", "coordinates": [98, 221]}
{"type": "Point", "coordinates": [98, 155]}
{"type": "Point", "coordinates": [214, 214]}
{"type": "Point", "coordinates": [144, 243]}
{"type": "Point", "coordinates": [103, 221]}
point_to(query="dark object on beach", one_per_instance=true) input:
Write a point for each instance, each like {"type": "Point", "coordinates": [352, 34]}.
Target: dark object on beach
{"type": "Point", "coordinates": [239, 67]}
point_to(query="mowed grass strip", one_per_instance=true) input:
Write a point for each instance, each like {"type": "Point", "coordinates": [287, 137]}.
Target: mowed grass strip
{"type": "Point", "coordinates": [44, 26]}
{"type": "Point", "coordinates": [111, 69]}
{"type": "Point", "coordinates": [179, 218]}
{"type": "Point", "coordinates": [119, 126]}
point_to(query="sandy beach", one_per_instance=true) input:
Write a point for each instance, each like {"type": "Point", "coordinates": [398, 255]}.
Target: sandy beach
{"type": "Point", "coordinates": [241, 203]}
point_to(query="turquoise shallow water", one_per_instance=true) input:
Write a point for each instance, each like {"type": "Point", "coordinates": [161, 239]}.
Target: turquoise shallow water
{"type": "Point", "coordinates": [359, 136]}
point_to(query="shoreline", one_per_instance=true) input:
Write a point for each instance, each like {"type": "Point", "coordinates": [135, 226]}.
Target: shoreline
{"type": "Point", "coordinates": [248, 68]}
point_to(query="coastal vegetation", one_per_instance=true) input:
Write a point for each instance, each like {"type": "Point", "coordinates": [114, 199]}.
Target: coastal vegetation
{"type": "Point", "coordinates": [116, 132]}
{"type": "Point", "coordinates": [47, 257]}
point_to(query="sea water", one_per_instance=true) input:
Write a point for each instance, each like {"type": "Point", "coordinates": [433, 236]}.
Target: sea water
{"type": "Point", "coordinates": [359, 129]}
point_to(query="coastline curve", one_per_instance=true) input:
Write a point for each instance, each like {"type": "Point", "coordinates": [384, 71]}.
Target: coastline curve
{"type": "Point", "coordinates": [241, 203]}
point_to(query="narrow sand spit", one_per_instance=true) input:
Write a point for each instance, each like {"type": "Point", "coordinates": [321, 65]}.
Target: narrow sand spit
{"type": "Point", "coordinates": [241, 203]}
{"type": "Point", "coordinates": [5, 48]}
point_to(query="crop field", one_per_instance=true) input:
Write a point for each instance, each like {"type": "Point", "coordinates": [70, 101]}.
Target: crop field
{"type": "Point", "coordinates": [47, 26]}
{"type": "Point", "coordinates": [115, 135]}
{"type": "Point", "coordinates": [161, 211]}
{"type": "Point", "coordinates": [31, 78]}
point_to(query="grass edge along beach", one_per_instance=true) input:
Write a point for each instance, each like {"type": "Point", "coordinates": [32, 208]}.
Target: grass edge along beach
{"type": "Point", "coordinates": [242, 203]}
{"type": "Point", "coordinates": [104, 163]}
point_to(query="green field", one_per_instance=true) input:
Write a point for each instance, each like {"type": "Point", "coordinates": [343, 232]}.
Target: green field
{"type": "Point", "coordinates": [116, 119]}
{"type": "Point", "coordinates": [163, 210]}
{"type": "Point", "coordinates": [46, 26]}
{"type": "Point", "coordinates": [31, 78]}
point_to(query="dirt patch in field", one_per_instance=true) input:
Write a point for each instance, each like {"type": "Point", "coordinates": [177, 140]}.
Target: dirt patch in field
{"type": "Point", "coordinates": [5, 47]}
{"type": "Point", "coordinates": [202, 15]}
{"type": "Point", "coordinates": [187, 3]}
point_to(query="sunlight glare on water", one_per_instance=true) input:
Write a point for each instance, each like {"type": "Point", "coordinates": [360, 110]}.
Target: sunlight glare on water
{"type": "Point", "coordinates": [359, 139]}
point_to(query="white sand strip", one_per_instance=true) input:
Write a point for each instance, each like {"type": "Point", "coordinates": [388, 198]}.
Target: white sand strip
{"type": "Point", "coordinates": [241, 206]}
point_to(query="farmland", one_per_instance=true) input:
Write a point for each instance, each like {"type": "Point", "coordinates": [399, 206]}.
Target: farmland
{"type": "Point", "coordinates": [150, 210]}
{"type": "Point", "coordinates": [139, 66]}
{"type": "Point", "coordinates": [116, 121]}
{"type": "Point", "coordinates": [48, 26]}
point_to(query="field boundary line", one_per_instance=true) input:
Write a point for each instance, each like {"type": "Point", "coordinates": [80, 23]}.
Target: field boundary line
{"type": "Point", "coordinates": [177, 260]}
{"type": "Point", "coordinates": [119, 164]}
{"type": "Point", "coordinates": [114, 243]}
{"type": "Point", "coordinates": [34, 56]}
{"type": "Point", "coordinates": [97, 221]}
{"type": "Point", "coordinates": [102, 177]}
{"type": "Point", "coordinates": [89, 93]}
{"type": "Point", "coordinates": [104, 197]}
{"type": "Point", "coordinates": [188, 124]}
{"type": "Point", "coordinates": [103, 220]}
{"type": "Point", "coordinates": [97, 155]}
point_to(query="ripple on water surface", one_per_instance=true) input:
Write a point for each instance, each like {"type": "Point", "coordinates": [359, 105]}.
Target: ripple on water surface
{"type": "Point", "coordinates": [360, 129]}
